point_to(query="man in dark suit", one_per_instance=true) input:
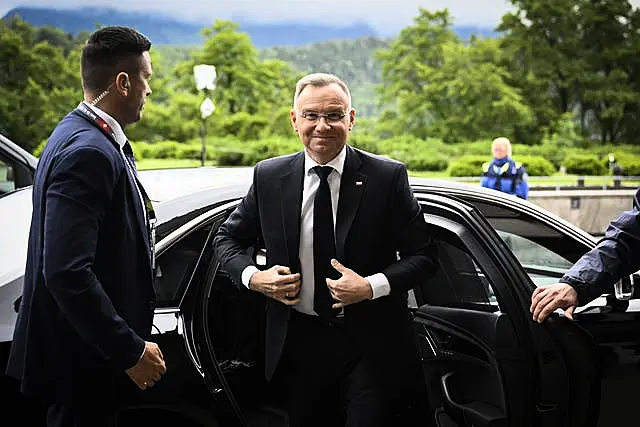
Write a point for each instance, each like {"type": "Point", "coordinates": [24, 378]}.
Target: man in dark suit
{"type": "Point", "coordinates": [87, 306]}
{"type": "Point", "coordinates": [338, 332]}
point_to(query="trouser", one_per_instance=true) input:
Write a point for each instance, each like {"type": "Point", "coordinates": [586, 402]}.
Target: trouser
{"type": "Point", "coordinates": [327, 382]}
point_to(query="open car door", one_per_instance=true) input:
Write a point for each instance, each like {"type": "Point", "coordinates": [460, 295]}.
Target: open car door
{"type": "Point", "coordinates": [485, 362]}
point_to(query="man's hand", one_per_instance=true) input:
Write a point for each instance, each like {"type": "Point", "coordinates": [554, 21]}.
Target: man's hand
{"type": "Point", "coordinates": [547, 299]}
{"type": "Point", "coordinates": [150, 368]}
{"type": "Point", "coordinates": [350, 288]}
{"type": "Point", "coordinates": [277, 283]}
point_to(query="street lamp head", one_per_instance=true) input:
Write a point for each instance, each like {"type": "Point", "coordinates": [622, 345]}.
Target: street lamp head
{"type": "Point", "coordinates": [205, 76]}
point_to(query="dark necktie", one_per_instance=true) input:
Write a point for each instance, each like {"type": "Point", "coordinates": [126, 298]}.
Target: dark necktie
{"type": "Point", "coordinates": [128, 154]}
{"type": "Point", "coordinates": [324, 246]}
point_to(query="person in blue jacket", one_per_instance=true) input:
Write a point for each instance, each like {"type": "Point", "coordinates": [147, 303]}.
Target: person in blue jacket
{"type": "Point", "coordinates": [596, 272]}
{"type": "Point", "coordinates": [503, 173]}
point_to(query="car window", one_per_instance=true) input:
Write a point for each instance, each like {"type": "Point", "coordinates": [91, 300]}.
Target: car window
{"type": "Point", "coordinates": [7, 179]}
{"type": "Point", "coordinates": [459, 281]}
{"type": "Point", "coordinates": [544, 252]}
{"type": "Point", "coordinates": [175, 266]}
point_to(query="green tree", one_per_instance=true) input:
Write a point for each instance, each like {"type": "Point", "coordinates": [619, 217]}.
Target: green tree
{"type": "Point", "coordinates": [579, 57]}
{"type": "Point", "coordinates": [39, 82]}
{"type": "Point", "coordinates": [447, 89]}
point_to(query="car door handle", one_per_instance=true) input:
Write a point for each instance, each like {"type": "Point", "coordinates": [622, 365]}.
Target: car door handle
{"type": "Point", "coordinates": [469, 414]}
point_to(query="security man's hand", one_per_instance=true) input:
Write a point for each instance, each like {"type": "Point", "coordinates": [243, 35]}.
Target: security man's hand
{"type": "Point", "coordinates": [547, 299]}
{"type": "Point", "coordinates": [150, 368]}
{"type": "Point", "coordinates": [277, 283]}
{"type": "Point", "coordinates": [350, 288]}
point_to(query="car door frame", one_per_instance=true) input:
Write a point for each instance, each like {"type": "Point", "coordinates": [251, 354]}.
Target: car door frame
{"type": "Point", "coordinates": [552, 375]}
{"type": "Point", "coordinates": [186, 323]}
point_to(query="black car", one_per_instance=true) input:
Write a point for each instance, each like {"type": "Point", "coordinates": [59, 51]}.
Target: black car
{"type": "Point", "coordinates": [17, 166]}
{"type": "Point", "coordinates": [485, 362]}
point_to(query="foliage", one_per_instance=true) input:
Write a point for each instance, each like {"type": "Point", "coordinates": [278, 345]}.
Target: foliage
{"type": "Point", "coordinates": [352, 60]}
{"type": "Point", "coordinates": [584, 164]}
{"type": "Point", "coordinates": [467, 166]}
{"type": "Point", "coordinates": [578, 57]}
{"type": "Point", "coordinates": [536, 165]}
{"type": "Point", "coordinates": [448, 89]}
{"type": "Point", "coordinates": [39, 80]}
{"type": "Point", "coordinates": [561, 81]}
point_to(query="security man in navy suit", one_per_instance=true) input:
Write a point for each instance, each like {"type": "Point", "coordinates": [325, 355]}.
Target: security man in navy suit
{"type": "Point", "coordinates": [81, 339]}
{"type": "Point", "coordinates": [345, 240]}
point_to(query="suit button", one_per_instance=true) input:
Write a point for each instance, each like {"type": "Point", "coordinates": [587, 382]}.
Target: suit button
{"type": "Point", "coordinates": [152, 305]}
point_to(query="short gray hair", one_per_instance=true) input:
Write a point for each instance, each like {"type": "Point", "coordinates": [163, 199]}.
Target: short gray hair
{"type": "Point", "coordinates": [320, 80]}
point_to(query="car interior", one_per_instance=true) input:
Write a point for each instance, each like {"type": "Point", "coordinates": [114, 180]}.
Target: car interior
{"type": "Point", "coordinates": [461, 374]}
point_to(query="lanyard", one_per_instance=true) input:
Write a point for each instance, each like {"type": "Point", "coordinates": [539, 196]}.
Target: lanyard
{"type": "Point", "coordinates": [148, 206]}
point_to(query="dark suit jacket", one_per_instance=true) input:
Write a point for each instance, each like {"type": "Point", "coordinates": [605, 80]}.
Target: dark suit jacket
{"type": "Point", "coordinates": [375, 220]}
{"type": "Point", "coordinates": [87, 303]}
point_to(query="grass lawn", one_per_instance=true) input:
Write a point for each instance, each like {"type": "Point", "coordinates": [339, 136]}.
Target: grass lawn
{"type": "Point", "coordinates": [166, 163]}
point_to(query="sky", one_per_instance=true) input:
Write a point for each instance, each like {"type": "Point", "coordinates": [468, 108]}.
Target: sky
{"type": "Point", "coordinates": [386, 16]}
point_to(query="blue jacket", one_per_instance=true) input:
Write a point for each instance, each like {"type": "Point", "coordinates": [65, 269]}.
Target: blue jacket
{"type": "Point", "coordinates": [615, 256]}
{"type": "Point", "coordinates": [88, 297]}
{"type": "Point", "coordinates": [507, 176]}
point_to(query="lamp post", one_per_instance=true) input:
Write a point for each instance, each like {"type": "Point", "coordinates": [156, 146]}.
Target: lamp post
{"type": "Point", "coordinates": [205, 76]}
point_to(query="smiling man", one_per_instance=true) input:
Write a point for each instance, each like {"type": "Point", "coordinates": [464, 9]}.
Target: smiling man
{"type": "Point", "coordinates": [333, 219]}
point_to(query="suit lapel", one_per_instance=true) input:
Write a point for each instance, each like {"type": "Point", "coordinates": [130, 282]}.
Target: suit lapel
{"type": "Point", "coordinates": [291, 184]}
{"type": "Point", "coordinates": [352, 187]}
{"type": "Point", "coordinates": [137, 203]}
{"type": "Point", "coordinates": [132, 184]}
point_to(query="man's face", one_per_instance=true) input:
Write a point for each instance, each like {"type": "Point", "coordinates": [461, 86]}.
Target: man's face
{"type": "Point", "coordinates": [323, 119]}
{"type": "Point", "coordinates": [500, 150]}
{"type": "Point", "coordinates": [139, 89]}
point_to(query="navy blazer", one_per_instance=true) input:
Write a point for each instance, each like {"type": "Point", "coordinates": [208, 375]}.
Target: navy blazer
{"type": "Point", "coordinates": [378, 217]}
{"type": "Point", "coordinates": [615, 256]}
{"type": "Point", "coordinates": [88, 297]}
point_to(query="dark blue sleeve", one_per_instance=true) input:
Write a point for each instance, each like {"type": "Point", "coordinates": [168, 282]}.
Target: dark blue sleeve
{"type": "Point", "coordinates": [484, 181]}
{"type": "Point", "coordinates": [615, 256]}
{"type": "Point", "coordinates": [240, 231]}
{"type": "Point", "coordinates": [78, 196]}
{"type": "Point", "coordinates": [522, 187]}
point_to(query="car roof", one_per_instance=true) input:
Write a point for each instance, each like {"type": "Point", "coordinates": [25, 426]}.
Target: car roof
{"type": "Point", "coordinates": [16, 152]}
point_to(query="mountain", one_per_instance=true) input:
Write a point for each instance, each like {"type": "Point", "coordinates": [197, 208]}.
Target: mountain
{"type": "Point", "coordinates": [163, 29]}
{"type": "Point", "coordinates": [167, 30]}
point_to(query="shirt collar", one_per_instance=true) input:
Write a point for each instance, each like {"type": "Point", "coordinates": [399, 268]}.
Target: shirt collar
{"type": "Point", "coordinates": [336, 163]}
{"type": "Point", "coordinates": [118, 133]}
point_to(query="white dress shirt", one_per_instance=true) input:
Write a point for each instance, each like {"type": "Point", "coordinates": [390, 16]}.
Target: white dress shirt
{"type": "Point", "coordinates": [379, 282]}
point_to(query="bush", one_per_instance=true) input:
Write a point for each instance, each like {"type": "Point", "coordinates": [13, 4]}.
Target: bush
{"type": "Point", "coordinates": [164, 149]}
{"type": "Point", "coordinates": [233, 157]}
{"type": "Point", "coordinates": [468, 166]}
{"type": "Point", "coordinates": [630, 163]}
{"type": "Point", "coordinates": [365, 142]}
{"type": "Point", "coordinates": [189, 151]}
{"type": "Point", "coordinates": [536, 165]}
{"type": "Point", "coordinates": [631, 167]}
{"type": "Point", "coordinates": [422, 163]}
{"type": "Point", "coordinates": [245, 126]}
{"type": "Point", "coordinates": [584, 164]}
